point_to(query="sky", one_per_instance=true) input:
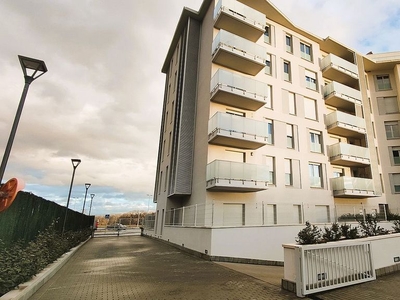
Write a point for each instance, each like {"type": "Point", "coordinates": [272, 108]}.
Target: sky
{"type": "Point", "coordinates": [101, 99]}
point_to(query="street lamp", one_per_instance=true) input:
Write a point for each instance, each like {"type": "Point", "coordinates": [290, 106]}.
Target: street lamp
{"type": "Point", "coordinates": [91, 201]}
{"type": "Point", "coordinates": [33, 69]}
{"type": "Point", "coordinates": [87, 186]}
{"type": "Point", "coordinates": [75, 164]}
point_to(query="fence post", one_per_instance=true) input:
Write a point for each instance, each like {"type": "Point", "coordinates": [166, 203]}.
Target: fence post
{"type": "Point", "coordinates": [195, 215]}
{"type": "Point", "coordinates": [183, 216]}
{"type": "Point", "coordinates": [385, 212]}
{"type": "Point", "coordinates": [299, 272]}
{"type": "Point", "coordinates": [363, 211]}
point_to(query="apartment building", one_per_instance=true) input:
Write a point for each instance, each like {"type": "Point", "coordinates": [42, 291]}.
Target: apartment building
{"type": "Point", "coordinates": [266, 126]}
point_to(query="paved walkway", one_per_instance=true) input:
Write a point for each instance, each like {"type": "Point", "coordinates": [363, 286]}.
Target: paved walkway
{"type": "Point", "coordinates": [135, 267]}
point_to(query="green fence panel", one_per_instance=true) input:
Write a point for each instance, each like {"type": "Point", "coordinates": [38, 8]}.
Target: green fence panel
{"type": "Point", "coordinates": [29, 214]}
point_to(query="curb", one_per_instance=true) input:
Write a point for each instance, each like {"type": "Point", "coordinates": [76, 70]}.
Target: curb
{"type": "Point", "coordinates": [27, 289]}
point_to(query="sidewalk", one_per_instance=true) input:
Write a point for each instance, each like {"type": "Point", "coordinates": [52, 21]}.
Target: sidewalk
{"type": "Point", "coordinates": [135, 267]}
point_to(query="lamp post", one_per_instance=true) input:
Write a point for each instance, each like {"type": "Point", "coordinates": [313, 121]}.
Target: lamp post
{"type": "Point", "coordinates": [75, 164]}
{"type": "Point", "coordinates": [87, 186]}
{"type": "Point", "coordinates": [33, 69]}
{"type": "Point", "coordinates": [91, 201]}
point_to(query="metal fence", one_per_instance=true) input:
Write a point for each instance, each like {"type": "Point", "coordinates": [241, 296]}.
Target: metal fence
{"type": "Point", "coordinates": [329, 266]}
{"type": "Point", "coordinates": [262, 213]}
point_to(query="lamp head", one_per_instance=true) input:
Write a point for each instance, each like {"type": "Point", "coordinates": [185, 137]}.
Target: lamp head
{"type": "Point", "coordinates": [75, 162]}
{"type": "Point", "coordinates": [32, 68]}
{"type": "Point", "coordinates": [87, 185]}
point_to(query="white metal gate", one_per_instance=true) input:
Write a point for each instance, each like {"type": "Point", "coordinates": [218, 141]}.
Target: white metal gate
{"type": "Point", "coordinates": [325, 267]}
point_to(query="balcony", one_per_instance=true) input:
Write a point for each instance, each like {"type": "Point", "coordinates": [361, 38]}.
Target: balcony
{"type": "Point", "coordinates": [348, 155]}
{"type": "Point", "coordinates": [342, 96]}
{"type": "Point", "coordinates": [345, 125]}
{"type": "Point", "coordinates": [237, 53]}
{"type": "Point", "coordinates": [239, 19]}
{"type": "Point", "coordinates": [352, 187]}
{"type": "Point", "coordinates": [238, 132]}
{"type": "Point", "coordinates": [234, 90]}
{"type": "Point", "coordinates": [340, 70]}
{"type": "Point", "coordinates": [228, 176]}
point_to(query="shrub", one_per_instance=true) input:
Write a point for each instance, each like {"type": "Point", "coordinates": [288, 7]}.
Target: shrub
{"type": "Point", "coordinates": [370, 227]}
{"type": "Point", "coordinates": [396, 226]}
{"type": "Point", "coordinates": [20, 262]}
{"type": "Point", "coordinates": [348, 232]}
{"type": "Point", "coordinates": [332, 234]}
{"type": "Point", "coordinates": [309, 235]}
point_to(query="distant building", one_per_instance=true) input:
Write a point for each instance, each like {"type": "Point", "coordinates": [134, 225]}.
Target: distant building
{"type": "Point", "coordinates": [266, 126]}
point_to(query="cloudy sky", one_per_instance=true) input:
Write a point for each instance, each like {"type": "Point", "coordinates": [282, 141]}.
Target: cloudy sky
{"type": "Point", "coordinates": [101, 98]}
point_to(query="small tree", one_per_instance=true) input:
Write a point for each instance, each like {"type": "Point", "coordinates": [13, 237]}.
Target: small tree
{"type": "Point", "coordinates": [348, 232]}
{"type": "Point", "coordinates": [309, 235]}
{"type": "Point", "coordinates": [370, 227]}
{"type": "Point", "coordinates": [396, 226]}
{"type": "Point", "coordinates": [332, 234]}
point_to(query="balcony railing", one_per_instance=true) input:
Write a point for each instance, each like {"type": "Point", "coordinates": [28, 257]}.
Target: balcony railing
{"type": "Point", "coordinates": [338, 69]}
{"type": "Point", "coordinates": [228, 176]}
{"type": "Point", "coordinates": [348, 155]}
{"type": "Point", "coordinates": [349, 187]}
{"type": "Point", "coordinates": [238, 53]}
{"type": "Point", "coordinates": [238, 91]}
{"type": "Point", "coordinates": [341, 96]}
{"type": "Point", "coordinates": [238, 132]}
{"type": "Point", "coordinates": [239, 19]}
{"type": "Point", "coordinates": [346, 125]}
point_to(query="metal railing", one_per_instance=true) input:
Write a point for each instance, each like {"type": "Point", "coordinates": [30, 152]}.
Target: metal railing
{"type": "Point", "coordinates": [329, 266]}
{"type": "Point", "coordinates": [270, 214]}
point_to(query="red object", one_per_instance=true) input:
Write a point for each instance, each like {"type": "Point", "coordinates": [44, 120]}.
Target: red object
{"type": "Point", "coordinates": [9, 191]}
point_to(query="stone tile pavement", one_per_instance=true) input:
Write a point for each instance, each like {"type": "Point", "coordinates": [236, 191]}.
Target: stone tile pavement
{"type": "Point", "coordinates": [135, 267]}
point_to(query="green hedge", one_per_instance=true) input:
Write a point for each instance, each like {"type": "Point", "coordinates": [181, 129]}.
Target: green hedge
{"type": "Point", "coordinates": [29, 215]}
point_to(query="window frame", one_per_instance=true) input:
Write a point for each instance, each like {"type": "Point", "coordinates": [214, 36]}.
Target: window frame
{"type": "Point", "coordinates": [393, 131]}
{"type": "Point", "coordinates": [315, 140]}
{"type": "Point", "coordinates": [381, 85]}
{"type": "Point", "coordinates": [289, 46]}
{"type": "Point", "coordinates": [287, 73]}
{"type": "Point", "coordinates": [304, 47]}
{"type": "Point", "coordinates": [312, 166]}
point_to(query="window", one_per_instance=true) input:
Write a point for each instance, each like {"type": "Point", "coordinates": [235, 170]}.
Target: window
{"type": "Point", "coordinates": [172, 111]}
{"type": "Point", "coordinates": [286, 71]}
{"type": "Point", "coordinates": [297, 216]}
{"type": "Point", "coordinates": [314, 170]}
{"type": "Point", "coordinates": [166, 179]}
{"type": "Point", "coordinates": [235, 113]}
{"type": "Point", "coordinates": [268, 65]}
{"type": "Point", "coordinates": [292, 104]}
{"type": "Point", "coordinates": [288, 41]}
{"type": "Point", "coordinates": [289, 136]}
{"type": "Point", "coordinates": [392, 130]}
{"type": "Point", "coordinates": [305, 50]}
{"type": "Point", "coordinates": [235, 156]}
{"type": "Point", "coordinates": [268, 103]}
{"type": "Point", "coordinates": [169, 143]}
{"type": "Point", "coordinates": [322, 214]}
{"type": "Point", "coordinates": [310, 109]}
{"type": "Point", "coordinates": [396, 155]}
{"type": "Point", "coordinates": [270, 162]}
{"type": "Point", "coordinates": [337, 172]}
{"type": "Point", "coordinates": [311, 80]}
{"type": "Point", "coordinates": [396, 182]}
{"type": "Point", "coordinates": [159, 183]}
{"type": "Point", "coordinates": [270, 131]}
{"type": "Point", "coordinates": [388, 105]}
{"type": "Point", "coordinates": [271, 214]}
{"type": "Point", "coordinates": [163, 151]}
{"type": "Point", "coordinates": [383, 82]}
{"type": "Point", "coordinates": [288, 172]}
{"type": "Point", "coordinates": [175, 76]}
{"type": "Point", "coordinates": [267, 34]}
{"type": "Point", "coordinates": [315, 141]}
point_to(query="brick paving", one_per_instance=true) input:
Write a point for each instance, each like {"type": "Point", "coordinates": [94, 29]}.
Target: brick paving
{"type": "Point", "coordinates": [135, 267]}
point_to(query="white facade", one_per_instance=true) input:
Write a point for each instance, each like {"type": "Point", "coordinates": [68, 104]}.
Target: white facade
{"type": "Point", "coordinates": [266, 126]}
